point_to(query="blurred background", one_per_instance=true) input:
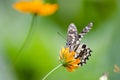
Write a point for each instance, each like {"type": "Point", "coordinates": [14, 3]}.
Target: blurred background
{"type": "Point", "coordinates": [41, 54]}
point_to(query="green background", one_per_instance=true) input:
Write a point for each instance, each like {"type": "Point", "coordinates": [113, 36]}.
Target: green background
{"type": "Point", "coordinates": [41, 53]}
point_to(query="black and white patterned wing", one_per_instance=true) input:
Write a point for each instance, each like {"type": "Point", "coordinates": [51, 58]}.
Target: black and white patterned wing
{"type": "Point", "coordinates": [83, 52]}
{"type": "Point", "coordinates": [85, 30]}
{"type": "Point", "coordinates": [86, 54]}
{"type": "Point", "coordinates": [72, 36]}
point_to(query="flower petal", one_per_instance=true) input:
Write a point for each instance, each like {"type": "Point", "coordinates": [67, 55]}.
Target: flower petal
{"type": "Point", "coordinates": [36, 7]}
{"type": "Point", "coordinates": [68, 60]}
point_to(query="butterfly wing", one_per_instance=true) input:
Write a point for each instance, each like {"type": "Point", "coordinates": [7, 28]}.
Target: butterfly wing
{"type": "Point", "coordinates": [85, 30]}
{"type": "Point", "coordinates": [83, 51]}
{"type": "Point", "coordinates": [72, 36]}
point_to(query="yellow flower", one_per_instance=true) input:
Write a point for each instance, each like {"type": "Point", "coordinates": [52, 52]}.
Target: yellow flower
{"type": "Point", "coordinates": [68, 60]}
{"type": "Point", "coordinates": [35, 7]}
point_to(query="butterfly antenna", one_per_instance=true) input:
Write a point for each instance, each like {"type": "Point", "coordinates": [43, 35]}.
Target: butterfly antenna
{"type": "Point", "coordinates": [61, 36]}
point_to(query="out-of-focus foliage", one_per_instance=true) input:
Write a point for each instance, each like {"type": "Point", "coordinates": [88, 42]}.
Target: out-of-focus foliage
{"type": "Point", "coordinates": [42, 51]}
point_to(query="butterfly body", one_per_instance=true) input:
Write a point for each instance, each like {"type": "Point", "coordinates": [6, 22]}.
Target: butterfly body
{"type": "Point", "coordinates": [73, 42]}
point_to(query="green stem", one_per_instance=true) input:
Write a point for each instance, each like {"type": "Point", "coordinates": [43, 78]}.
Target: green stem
{"type": "Point", "coordinates": [27, 38]}
{"type": "Point", "coordinates": [51, 71]}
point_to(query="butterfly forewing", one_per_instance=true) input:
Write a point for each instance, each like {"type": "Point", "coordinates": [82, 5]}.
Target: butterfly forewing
{"type": "Point", "coordinates": [72, 36]}
{"type": "Point", "coordinates": [85, 30]}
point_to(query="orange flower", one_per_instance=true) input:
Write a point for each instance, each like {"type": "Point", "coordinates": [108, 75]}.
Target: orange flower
{"type": "Point", "coordinates": [68, 60]}
{"type": "Point", "coordinates": [36, 7]}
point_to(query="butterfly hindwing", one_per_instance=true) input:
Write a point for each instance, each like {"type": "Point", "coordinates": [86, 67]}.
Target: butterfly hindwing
{"type": "Point", "coordinates": [82, 52]}
{"type": "Point", "coordinates": [84, 55]}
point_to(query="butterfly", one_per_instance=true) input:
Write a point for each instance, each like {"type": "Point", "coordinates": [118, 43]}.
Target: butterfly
{"type": "Point", "coordinates": [74, 44]}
